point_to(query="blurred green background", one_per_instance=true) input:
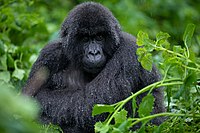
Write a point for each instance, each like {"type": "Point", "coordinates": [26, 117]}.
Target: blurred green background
{"type": "Point", "coordinates": [27, 25]}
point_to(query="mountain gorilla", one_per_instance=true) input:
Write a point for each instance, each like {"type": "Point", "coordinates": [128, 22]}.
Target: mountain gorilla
{"type": "Point", "coordinates": [92, 62]}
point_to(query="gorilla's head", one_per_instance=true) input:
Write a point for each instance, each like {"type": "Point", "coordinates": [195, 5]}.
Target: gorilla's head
{"type": "Point", "coordinates": [90, 35]}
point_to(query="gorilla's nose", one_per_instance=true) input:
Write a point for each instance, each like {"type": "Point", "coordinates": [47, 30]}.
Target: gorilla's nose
{"type": "Point", "coordinates": [94, 55]}
{"type": "Point", "coordinates": [94, 52]}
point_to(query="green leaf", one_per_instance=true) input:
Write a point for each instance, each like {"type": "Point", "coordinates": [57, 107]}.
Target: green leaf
{"type": "Point", "coordinates": [190, 79]}
{"type": "Point", "coordinates": [5, 76]}
{"type": "Point", "coordinates": [142, 128]}
{"type": "Point", "coordinates": [10, 61]}
{"type": "Point", "coordinates": [134, 106]}
{"type": "Point", "coordinates": [159, 129]}
{"type": "Point", "coordinates": [146, 106]}
{"type": "Point", "coordinates": [161, 38]}
{"type": "Point", "coordinates": [116, 130]}
{"type": "Point", "coordinates": [124, 126]}
{"type": "Point", "coordinates": [141, 37]}
{"type": "Point", "coordinates": [102, 108]}
{"type": "Point", "coordinates": [147, 62]}
{"type": "Point", "coordinates": [187, 37]}
{"type": "Point", "coordinates": [3, 62]}
{"type": "Point", "coordinates": [169, 95]}
{"type": "Point", "coordinates": [175, 70]}
{"type": "Point", "coordinates": [192, 56]}
{"type": "Point", "coordinates": [18, 73]}
{"type": "Point", "coordinates": [150, 45]}
{"type": "Point", "coordinates": [2, 48]}
{"type": "Point", "coordinates": [141, 52]}
{"type": "Point", "coordinates": [120, 116]}
{"type": "Point", "coordinates": [143, 40]}
{"type": "Point", "coordinates": [166, 56]}
{"type": "Point", "coordinates": [101, 127]}
{"type": "Point", "coordinates": [178, 49]}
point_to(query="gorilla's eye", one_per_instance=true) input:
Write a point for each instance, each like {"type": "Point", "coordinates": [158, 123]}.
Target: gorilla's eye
{"type": "Point", "coordinates": [99, 38]}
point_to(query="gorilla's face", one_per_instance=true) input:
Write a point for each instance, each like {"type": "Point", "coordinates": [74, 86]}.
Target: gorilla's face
{"type": "Point", "coordinates": [91, 35]}
{"type": "Point", "coordinates": [94, 58]}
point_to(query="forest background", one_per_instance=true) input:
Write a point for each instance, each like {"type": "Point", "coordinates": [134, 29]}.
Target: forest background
{"type": "Point", "coordinates": [26, 26]}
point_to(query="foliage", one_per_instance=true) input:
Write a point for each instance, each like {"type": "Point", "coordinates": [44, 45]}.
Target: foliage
{"type": "Point", "coordinates": [21, 33]}
{"type": "Point", "coordinates": [21, 30]}
{"type": "Point", "coordinates": [26, 25]}
{"type": "Point", "coordinates": [181, 70]}
{"type": "Point", "coordinates": [17, 112]}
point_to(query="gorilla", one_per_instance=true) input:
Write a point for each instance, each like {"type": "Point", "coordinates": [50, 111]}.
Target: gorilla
{"type": "Point", "coordinates": [93, 62]}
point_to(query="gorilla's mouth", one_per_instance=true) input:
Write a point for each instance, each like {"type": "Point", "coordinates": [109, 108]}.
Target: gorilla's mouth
{"type": "Point", "coordinates": [93, 64]}
{"type": "Point", "coordinates": [93, 67]}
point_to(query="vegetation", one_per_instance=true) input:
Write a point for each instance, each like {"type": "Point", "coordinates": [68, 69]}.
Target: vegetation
{"type": "Point", "coordinates": [27, 25]}
{"type": "Point", "coordinates": [181, 70]}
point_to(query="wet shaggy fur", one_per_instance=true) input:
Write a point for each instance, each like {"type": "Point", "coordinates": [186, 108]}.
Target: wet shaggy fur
{"type": "Point", "coordinates": [67, 93]}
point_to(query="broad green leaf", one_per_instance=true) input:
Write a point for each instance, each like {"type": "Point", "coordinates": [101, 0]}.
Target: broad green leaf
{"type": "Point", "coordinates": [5, 76]}
{"type": "Point", "coordinates": [141, 38]}
{"type": "Point", "coordinates": [102, 108]}
{"type": "Point", "coordinates": [140, 52]}
{"type": "Point", "coordinates": [146, 106]}
{"type": "Point", "coordinates": [120, 116]}
{"type": "Point", "coordinates": [187, 37]}
{"type": "Point", "coordinates": [124, 126]}
{"type": "Point", "coordinates": [161, 38]}
{"type": "Point", "coordinates": [147, 62]}
{"type": "Point", "coordinates": [101, 127]}
{"type": "Point", "coordinates": [190, 79]}
{"type": "Point", "coordinates": [18, 73]}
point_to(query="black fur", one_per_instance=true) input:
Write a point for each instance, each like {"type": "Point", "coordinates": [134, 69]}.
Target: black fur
{"type": "Point", "coordinates": [67, 93]}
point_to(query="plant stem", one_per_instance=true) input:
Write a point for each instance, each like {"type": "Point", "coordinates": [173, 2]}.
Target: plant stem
{"type": "Point", "coordinates": [155, 85]}
{"type": "Point", "coordinates": [180, 55]}
{"type": "Point", "coordinates": [163, 114]}
{"type": "Point", "coordinates": [174, 53]}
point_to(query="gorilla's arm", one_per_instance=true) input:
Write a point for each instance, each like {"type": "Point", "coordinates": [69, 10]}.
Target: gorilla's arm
{"type": "Point", "coordinates": [48, 62]}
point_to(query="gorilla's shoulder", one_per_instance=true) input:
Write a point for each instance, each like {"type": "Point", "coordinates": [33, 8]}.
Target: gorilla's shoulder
{"type": "Point", "coordinates": [50, 55]}
{"type": "Point", "coordinates": [52, 47]}
{"type": "Point", "coordinates": [128, 44]}
{"type": "Point", "coordinates": [129, 38]}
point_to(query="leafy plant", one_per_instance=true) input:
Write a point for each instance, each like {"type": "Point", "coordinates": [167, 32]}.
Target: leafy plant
{"type": "Point", "coordinates": [181, 70]}
{"type": "Point", "coordinates": [20, 31]}
{"type": "Point", "coordinates": [17, 112]}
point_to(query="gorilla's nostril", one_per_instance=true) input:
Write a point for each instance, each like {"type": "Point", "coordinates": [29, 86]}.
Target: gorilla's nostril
{"type": "Point", "coordinates": [94, 53]}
